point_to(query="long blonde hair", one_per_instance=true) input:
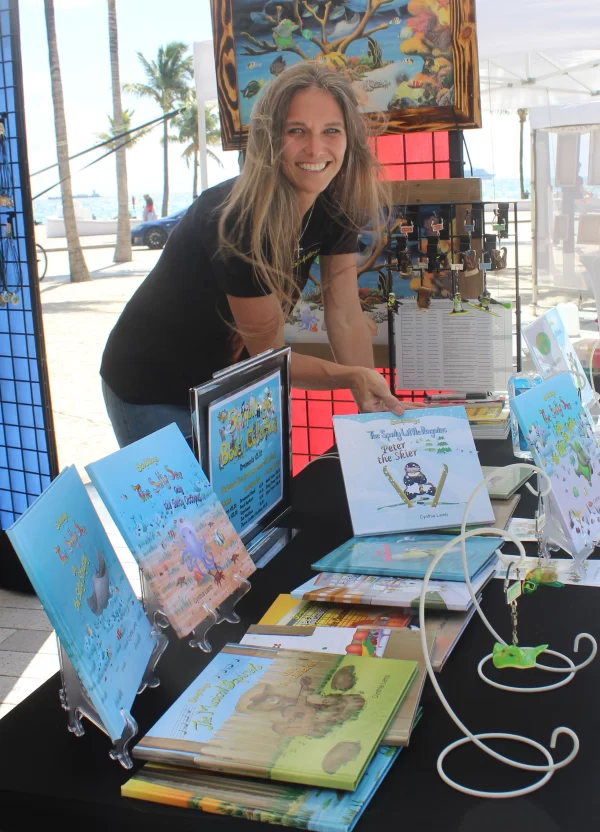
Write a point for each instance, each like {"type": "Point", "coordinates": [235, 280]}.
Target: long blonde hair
{"type": "Point", "coordinates": [262, 210]}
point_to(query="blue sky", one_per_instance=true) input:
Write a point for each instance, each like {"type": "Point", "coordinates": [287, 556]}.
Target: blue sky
{"type": "Point", "coordinates": [144, 25]}
{"type": "Point", "coordinates": [82, 32]}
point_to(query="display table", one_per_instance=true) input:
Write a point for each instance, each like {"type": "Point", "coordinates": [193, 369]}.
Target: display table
{"type": "Point", "coordinates": [50, 777]}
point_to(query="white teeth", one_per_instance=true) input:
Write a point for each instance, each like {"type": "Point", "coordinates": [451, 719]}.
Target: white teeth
{"type": "Point", "coordinates": [315, 168]}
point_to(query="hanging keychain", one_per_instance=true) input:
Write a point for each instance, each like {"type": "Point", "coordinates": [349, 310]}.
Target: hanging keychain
{"type": "Point", "coordinates": [499, 254]}
{"type": "Point", "coordinates": [470, 256]}
{"type": "Point", "coordinates": [511, 655]}
{"type": "Point", "coordinates": [11, 257]}
{"type": "Point", "coordinates": [403, 250]}
{"type": "Point", "coordinates": [5, 172]}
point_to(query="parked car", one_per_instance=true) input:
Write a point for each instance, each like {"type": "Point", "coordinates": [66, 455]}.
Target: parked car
{"type": "Point", "coordinates": [155, 233]}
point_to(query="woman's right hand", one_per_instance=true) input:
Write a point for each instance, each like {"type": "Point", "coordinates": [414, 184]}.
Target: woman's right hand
{"type": "Point", "coordinates": [372, 393]}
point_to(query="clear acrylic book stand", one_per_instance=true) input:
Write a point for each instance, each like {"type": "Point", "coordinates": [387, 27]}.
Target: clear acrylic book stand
{"type": "Point", "coordinates": [76, 702]}
{"type": "Point", "coordinates": [224, 612]}
{"type": "Point", "coordinates": [547, 769]}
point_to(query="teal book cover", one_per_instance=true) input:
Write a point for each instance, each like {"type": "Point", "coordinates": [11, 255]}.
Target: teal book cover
{"type": "Point", "coordinates": [317, 809]}
{"type": "Point", "coordinates": [174, 525]}
{"type": "Point", "coordinates": [414, 472]}
{"type": "Point", "coordinates": [409, 556]}
{"type": "Point", "coordinates": [562, 443]}
{"type": "Point", "coordinates": [86, 595]}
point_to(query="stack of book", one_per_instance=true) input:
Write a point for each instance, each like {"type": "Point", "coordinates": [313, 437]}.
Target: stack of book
{"type": "Point", "coordinates": [489, 421]}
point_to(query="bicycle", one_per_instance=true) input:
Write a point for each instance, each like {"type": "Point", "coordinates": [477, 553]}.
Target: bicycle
{"type": "Point", "coordinates": [42, 261]}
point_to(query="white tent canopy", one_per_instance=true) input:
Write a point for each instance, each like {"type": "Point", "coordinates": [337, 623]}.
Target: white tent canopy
{"type": "Point", "coordinates": [538, 52]}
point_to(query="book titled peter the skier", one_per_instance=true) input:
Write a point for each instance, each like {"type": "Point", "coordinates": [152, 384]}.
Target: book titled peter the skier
{"type": "Point", "coordinates": [562, 443]}
{"type": "Point", "coordinates": [303, 807]}
{"type": "Point", "coordinates": [83, 589]}
{"type": "Point", "coordinates": [409, 556]}
{"type": "Point", "coordinates": [410, 472]}
{"type": "Point", "coordinates": [289, 715]}
{"type": "Point", "coordinates": [163, 505]}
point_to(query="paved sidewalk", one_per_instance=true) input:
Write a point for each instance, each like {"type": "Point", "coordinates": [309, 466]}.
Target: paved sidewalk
{"type": "Point", "coordinates": [78, 318]}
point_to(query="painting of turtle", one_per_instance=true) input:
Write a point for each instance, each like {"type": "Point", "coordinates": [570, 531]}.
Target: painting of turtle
{"type": "Point", "coordinates": [415, 61]}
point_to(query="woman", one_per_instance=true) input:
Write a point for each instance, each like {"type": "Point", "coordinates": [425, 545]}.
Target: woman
{"type": "Point", "coordinates": [237, 262]}
{"type": "Point", "coordinates": [148, 212]}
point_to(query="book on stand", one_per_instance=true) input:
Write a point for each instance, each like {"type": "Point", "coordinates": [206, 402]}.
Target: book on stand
{"type": "Point", "coordinates": [294, 716]}
{"type": "Point", "coordinates": [562, 443]}
{"type": "Point", "coordinates": [75, 572]}
{"type": "Point", "coordinates": [411, 472]}
{"type": "Point", "coordinates": [163, 505]}
{"type": "Point", "coordinates": [286, 804]}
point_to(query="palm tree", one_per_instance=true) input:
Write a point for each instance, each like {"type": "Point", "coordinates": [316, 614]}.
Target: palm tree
{"type": "Point", "coordinates": [128, 141]}
{"type": "Point", "coordinates": [123, 247]}
{"type": "Point", "coordinates": [187, 127]}
{"type": "Point", "coordinates": [167, 84]}
{"type": "Point", "coordinates": [77, 266]}
{"type": "Point", "coordinates": [522, 119]}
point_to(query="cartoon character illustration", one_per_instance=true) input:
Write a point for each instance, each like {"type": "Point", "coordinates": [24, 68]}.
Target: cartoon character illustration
{"type": "Point", "coordinates": [583, 467]}
{"type": "Point", "coordinates": [98, 601]}
{"type": "Point", "coordinates": [195, 553]}
{"type": "Point", "coordinates": [62, 555]}
{"type": "Point", "coordinates": [309, 714]}
{"type": "Point", "coordinates": [308, 320]}
{"type": "Point", "coordinates": [342, 752]}
{"type": "Point", "coordinates": [416, 483]}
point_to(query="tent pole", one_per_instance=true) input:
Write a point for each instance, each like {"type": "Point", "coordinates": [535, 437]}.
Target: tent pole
{"type": "Point", "coordinates": [533, 186]}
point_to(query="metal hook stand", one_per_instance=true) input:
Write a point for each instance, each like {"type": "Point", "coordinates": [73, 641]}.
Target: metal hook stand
{"type": "Point", "coordinates": [551, 766]}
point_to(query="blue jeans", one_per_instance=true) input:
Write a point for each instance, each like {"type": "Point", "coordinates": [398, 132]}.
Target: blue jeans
{"type": "Point", "coordinates": [131, 422]}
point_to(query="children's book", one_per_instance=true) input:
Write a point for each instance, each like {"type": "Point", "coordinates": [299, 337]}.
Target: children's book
{"type": "Point", "coordinates": [553, 352]}
{"type": "Point", "coordinates": [83, 589]}
{"type": "Point", "coordinates": [291, 612]}
{"type": "Point", "coordinates": [409, 556]}
{"type": "Point", "coordinates": [562, 443]}
{"type": "Point", "coordinates": [295, 716]}
{"type": "Point", "coordinates": [395, 592]}
{"type": "Point", "coordinates": [410, 472]}
{"type": "Point", "coordinates": [177, 530]}
{"type": "Point", "coordinates": [379, 642]}
{"type": "Point", "coordinates": [303, 807]}
{"type": "Point", "coordinates": [505, 481]}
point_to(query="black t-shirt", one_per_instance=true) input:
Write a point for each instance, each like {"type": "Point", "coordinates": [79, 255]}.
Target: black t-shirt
{"type": "Point", "coordinates": [174, 333]}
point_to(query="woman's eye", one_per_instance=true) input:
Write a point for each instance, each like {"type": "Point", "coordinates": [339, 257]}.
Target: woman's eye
{"type": "Point", "coordinates": [294, 130]}
{"type": "Point", "coordinates": [332, 130]}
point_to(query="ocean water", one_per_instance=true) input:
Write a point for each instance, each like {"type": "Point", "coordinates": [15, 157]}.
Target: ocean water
{"type": "Point", "coordinates": [106, 207]}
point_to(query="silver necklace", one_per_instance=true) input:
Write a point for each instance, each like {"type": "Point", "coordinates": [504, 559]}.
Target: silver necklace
{"type": "Point", "coordinates": [298, 246]}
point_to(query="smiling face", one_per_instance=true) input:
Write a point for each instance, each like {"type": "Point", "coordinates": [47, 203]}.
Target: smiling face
{"type": "Point", "coordinates": [314, 143]}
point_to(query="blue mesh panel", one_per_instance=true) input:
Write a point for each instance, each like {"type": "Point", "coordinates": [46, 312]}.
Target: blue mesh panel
{"type": "Point", "coordinates": [27, 448]}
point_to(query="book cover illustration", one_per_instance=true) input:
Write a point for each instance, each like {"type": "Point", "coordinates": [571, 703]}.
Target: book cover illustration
{"type": "Point", "coordinates": [388, 642]}
{"type": "Point", "coordinates": [504, 482]}
{"type": "Point", "coordinates": [86, 595]}
{"type": "Point", "coordinates": [410, 472]}
{"type": "Point", "coordinates": [557, 430]}
{"type": "Point", "coordinates": [409, 556]}
{"type": "Point", "coordinates": [245, 452]}
{"type": "Point", "coordinates": [320, 810]}
{"type": "Point", "coordinates": [170, 518]}
{"type": "Point", "coordinates": [292, 612]}
{"type": "Point", "coordinates": [553, 352]}
{"type": "Point", "coordinates": [285, 715]}
{"type": "Point", "coordinates": [345, 588]}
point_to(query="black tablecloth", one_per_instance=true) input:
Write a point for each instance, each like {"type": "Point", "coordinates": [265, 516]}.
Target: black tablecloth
{"type": "Point", "coordinates": [49, 776]}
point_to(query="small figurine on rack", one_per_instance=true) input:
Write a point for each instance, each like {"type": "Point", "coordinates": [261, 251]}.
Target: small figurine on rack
{"type": "Point", "coordinates": [9, 254]}
{"type": "Point", "coordinates": [393, 303]}
{"type": "Point", "coordinates": [457, 306]}
{"type": "Point", "coordinates": [470, 259]}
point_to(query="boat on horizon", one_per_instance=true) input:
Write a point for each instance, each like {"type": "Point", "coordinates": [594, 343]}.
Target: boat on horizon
{"type": "Point", "coordinates": [93, 195]}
